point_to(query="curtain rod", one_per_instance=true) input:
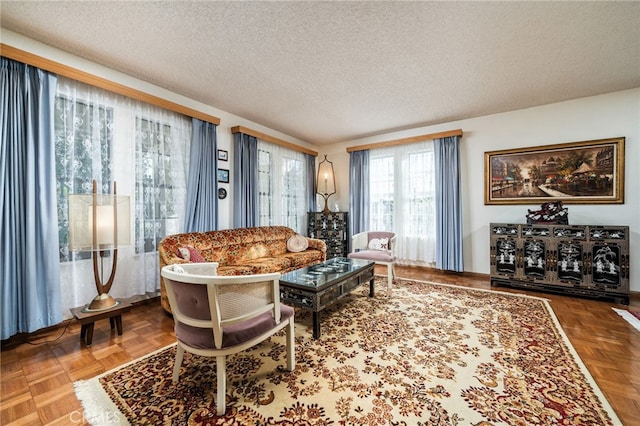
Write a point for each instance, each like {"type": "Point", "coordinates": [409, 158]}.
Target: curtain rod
{"type": "Point", "coordinates": [403, 141]}
{"type": "Point", "coordinates": [267, 138]}
{"type": "Point", "coordinates": [102, 83]}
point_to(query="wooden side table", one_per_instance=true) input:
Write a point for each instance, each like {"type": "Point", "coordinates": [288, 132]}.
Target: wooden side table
{"type": "Point", "coordinates": [87, 319]}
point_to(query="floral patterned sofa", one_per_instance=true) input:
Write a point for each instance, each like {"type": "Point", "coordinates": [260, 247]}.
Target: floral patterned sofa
{"type": "Point", "coordinates": [241, 251]}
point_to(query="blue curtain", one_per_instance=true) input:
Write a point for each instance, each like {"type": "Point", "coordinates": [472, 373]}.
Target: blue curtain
{"type": "Point", "coordinates": [359, 191]}
{"type": "Point", "coordinates": [448, 205]}
{"type": "Point", "coordinates": [202, 184]}
{"type": "Point", "coordinates": [311, 183]}
{"type": "Point", "coordinates": [245, 181]}
{"type": "Point", "coordinates": [29, 263]}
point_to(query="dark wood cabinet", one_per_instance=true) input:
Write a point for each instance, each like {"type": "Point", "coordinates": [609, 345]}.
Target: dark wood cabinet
{"type": "Point", "coordinates": [587, 260]}
{"type": "Point", "coordinates": [333, 229]}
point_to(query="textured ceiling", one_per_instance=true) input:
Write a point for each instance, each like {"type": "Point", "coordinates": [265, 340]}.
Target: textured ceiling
{"type": "Point", "coordinates": [327, 72]}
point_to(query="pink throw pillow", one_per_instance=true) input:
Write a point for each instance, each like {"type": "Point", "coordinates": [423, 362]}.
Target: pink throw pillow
{"type": "Point", "coordinates": [191, 254]}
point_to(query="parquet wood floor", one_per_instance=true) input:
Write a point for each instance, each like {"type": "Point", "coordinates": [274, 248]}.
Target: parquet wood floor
{"type": "Point", "coordinates": [37, 377]}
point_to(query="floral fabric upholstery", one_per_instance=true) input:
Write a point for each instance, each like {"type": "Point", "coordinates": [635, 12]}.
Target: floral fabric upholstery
{"type": "Point", "coordinates": [241, 251]}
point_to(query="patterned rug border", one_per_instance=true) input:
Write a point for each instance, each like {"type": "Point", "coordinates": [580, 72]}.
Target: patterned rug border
{"type": "Point", "coordinates": [504, 293]}
{"type": "Point", "coordinates": [99, 409]}
{"type": "Point", "coordinates": [629, 317]}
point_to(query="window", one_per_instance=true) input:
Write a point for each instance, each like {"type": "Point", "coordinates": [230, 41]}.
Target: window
{"type": "Point", "coordinates": [265, 186]}
{"type": "Point", "coordinates": [107, 137]}
{"type": "Point", "coordinates": [83, 135]}
{"type": "Point", "coordinates": [155, 185]}
{"type": "Point", "coordinates": [282, 182]}
{"type": "Point", "coordinates": [420, 213]}
{"type": "Point", "coordinates": [402, 199]}
{"type": "Point", "coordinates": [381, 193]}
{"type": "Point", "coordinates": [88, 124]}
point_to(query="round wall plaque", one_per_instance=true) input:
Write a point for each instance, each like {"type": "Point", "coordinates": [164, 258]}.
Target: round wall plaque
{"type": "Point", "coordinates": [222, 193]}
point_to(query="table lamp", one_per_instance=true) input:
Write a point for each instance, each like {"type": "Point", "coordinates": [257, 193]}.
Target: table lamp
{"type": "Point", "coordinates": [326, 181]}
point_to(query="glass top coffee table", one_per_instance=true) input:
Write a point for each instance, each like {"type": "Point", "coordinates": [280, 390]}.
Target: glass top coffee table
{"type": "Point", "coordinates": [318, 286]}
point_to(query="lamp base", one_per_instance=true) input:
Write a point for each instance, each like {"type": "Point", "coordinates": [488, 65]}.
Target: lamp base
{"type": "Point", "coordinates": [101, 302]}
{"type": "Point", "coordinates": [326, 203]}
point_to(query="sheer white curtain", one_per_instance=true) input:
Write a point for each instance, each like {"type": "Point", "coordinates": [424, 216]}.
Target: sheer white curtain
{"type": "Point", "coordinates": [282, 180]}
{"type": "Point", "coordinates": [402, 199]}
{"type": "Point", "coordinates": [107, 137]}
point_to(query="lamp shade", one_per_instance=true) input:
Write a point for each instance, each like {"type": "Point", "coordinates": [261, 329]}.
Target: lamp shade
{"type": "Point", "coordinates": [326, 180]}
{"type": "Point", "coordinates": [112, 222]}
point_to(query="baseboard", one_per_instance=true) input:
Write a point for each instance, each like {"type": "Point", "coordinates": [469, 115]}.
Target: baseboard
{"type": "Point", "coordinates": [430, 269]}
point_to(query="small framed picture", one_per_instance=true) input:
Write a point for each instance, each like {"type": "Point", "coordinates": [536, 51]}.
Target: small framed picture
{"type": "Point", "coordinates": [223, 175]}
{"type": "Point", "coordinates": [223, 155]}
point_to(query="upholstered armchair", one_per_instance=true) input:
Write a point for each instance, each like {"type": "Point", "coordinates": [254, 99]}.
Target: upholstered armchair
{"type": "Point", "coordinates": [376, 246]}
{"type": "Point", "coordinates": [217, 316]}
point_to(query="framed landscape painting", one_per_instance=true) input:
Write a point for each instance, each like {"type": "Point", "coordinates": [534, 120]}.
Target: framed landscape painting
{"type": "Point", "coordinates": [589, 172]}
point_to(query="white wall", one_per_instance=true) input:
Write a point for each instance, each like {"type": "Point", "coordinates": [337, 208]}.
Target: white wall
{"type": "Point", "coordinates": [223, 131]}
{"type": "Point", "coordinates": [598, 117]}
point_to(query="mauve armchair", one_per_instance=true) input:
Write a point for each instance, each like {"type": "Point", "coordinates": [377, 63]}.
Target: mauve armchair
{"type": "Point", "coordinates": [217, 316]}
{"type": "Point", "coordinates": [376, 246]}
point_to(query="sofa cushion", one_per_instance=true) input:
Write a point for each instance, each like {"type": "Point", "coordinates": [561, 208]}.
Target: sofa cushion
{"type": "Point", "coordinates": [375, 255]}
{"type": "Point", "coordinates": [304, 258]}
{"type": "Point", "coordinates": [297, 243]}
{"type": "Point", "coordinates": [228, 270]}
{"type": "Point", "coordinates": [235, 334]}
{"type": "Point", "coordinates": [378, 244]}
{"type": "Point", "coordinates": [266, 265]}
{"type": "Point", "coordinates": [190, 254]}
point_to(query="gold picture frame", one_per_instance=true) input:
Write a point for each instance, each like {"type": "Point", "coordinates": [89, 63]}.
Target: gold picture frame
{"type": "Point", "coordinates": [588, 172]}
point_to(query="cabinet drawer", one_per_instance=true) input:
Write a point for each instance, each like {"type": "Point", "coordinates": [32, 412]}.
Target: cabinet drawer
{"type": "Point", "coordinates": [536, 231]}
{"type": "Point", "coordinates": [366, 276]}
{"type": "Point", "coordinates": [504, 229]}
{"type": "Point", "coordinates": [329, 296]}
{"type": "Point", "coordinates": [350, 284]}
{"type": "Point", "coordinates": [571, 232]}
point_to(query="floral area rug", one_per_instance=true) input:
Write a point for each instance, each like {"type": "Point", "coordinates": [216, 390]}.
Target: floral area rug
{"type": "Point", "coordinates": [419, 354]}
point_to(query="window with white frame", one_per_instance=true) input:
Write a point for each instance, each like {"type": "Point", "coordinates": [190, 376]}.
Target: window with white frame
{"type": "Point", "coordinates": [402, 199]}
{"type": "Point", "coordinates": [282, 186]}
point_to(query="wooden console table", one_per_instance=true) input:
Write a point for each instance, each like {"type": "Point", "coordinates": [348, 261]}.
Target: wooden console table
{"type": "Point", "coordinates": [88, 319]}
